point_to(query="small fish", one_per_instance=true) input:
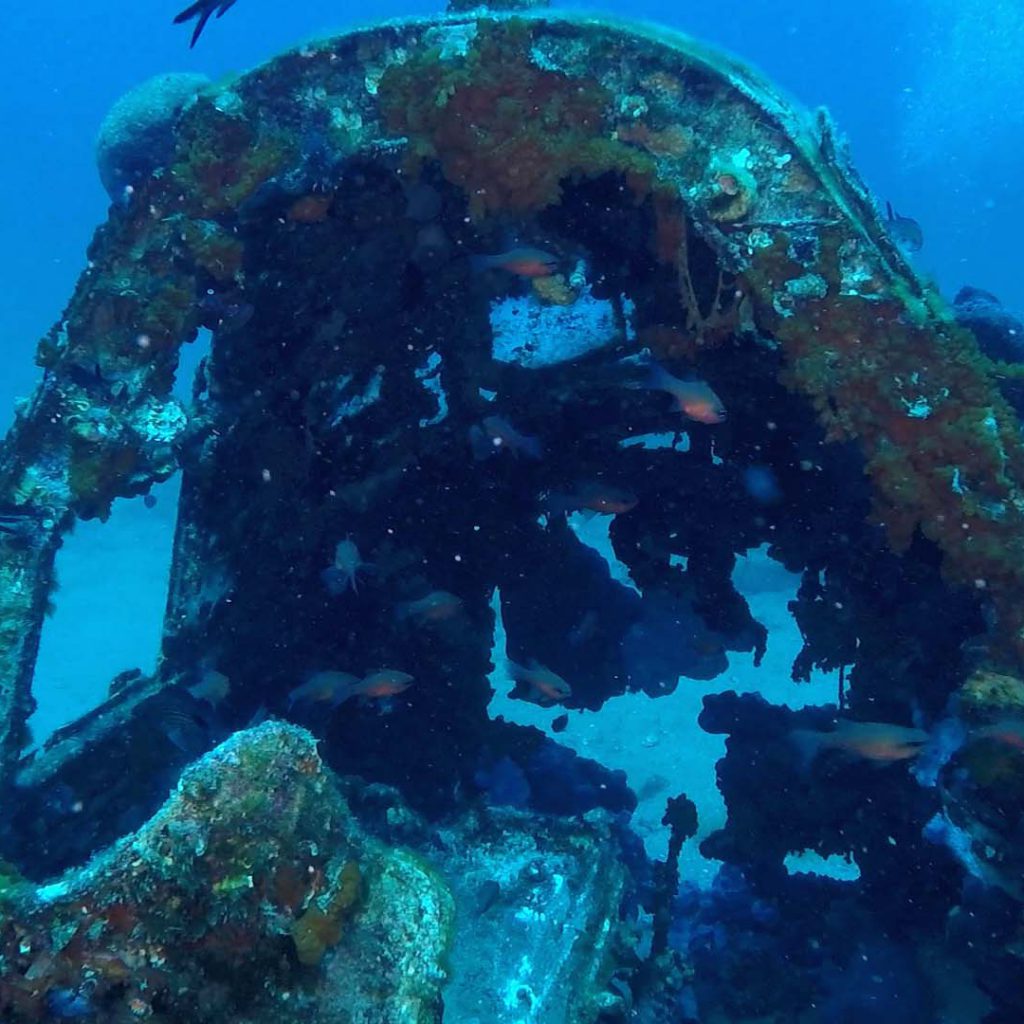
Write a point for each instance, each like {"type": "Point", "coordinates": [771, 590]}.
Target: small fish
{"type": "Point", "coordinates": [388, 682]}
{"type": "Point", "coordinates": [694, 398]}
{"type": "Point", "coordinates": [332, 688]}
{"type": "Point", "coordinates": [213, 687]}
{"type": "Point", "coordinates": [437, 606]}
{"type": "Point", "coordinates": [594, 497]}
{"type": "Point", "coordinates": [522, 261]}
{"type": "Point", "coordinates": [486, 896]}
{"type": "Point", "coordinates": [15, 525]}
{"type": "Point", "coordinates": [878, 742]}
{"type": "Point", "coordinates": [1009, 732]}
{"type": "Point", "coordinates": [343, 573]}
{"type": "Point", "coordinates": [905, 231]}
{"type": "Point", "coordinates": [495, 433]}
{"type": "Point", "coordinates": [186, 723]}
{"type": "Point", "coordinates": [202, 9]}
{"type": "Point", "coordinates": [543, 686]}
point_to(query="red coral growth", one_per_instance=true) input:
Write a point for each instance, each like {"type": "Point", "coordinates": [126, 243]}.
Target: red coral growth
{"type": "Point", "coordinates": [290, 886]}
{"type": "Point", "coordinates": [316, 930]}
{"type": "Point", "coordinates": [310, 209]}
{"type": "Point", "coordinates": [675, 140]}
{"type": "Point", "coordinates": [941, 445]}
{"type": "Point", "coordinates": [505, 130]}
{"type": "Point", "coordinates": [222, 160]}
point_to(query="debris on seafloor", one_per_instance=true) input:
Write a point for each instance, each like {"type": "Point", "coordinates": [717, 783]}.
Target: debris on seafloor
{"type": "Point", "coordinates": [257, 893]}
{"type": "Point", "coordinates": [254, 860]}
{"type": "Point", "coordinates": [320, 214]}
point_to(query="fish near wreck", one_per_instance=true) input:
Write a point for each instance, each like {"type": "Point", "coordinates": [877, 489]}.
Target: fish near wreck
{"type": "Point", "coordinates": [335, 688]}
{"type": "Point", "coordinates": [880, 743]}
{"type": "Point", "coordinates": [522, 261]}
{"type": "Point", "coordinates": [437, 606]}
{"type": "Point", "coordinates": [695, 399]}
{"type": "Point", "coordinates": [343, 573]}
{"type": "Point", "coordinates": [328, 687]}
{"type": "Point", "coordinates": [387, 682]}
{"type": "Point", "coordinates": [495, 434]}
{"type": "Point", "coordinates": [538, 684]}
{"type": "Point", "coordinates": [594, 498]}
{"type": "Point", "coordinates": [202, 10]}
{"type": "Point", "coordinates": [213, 687]}
{"type": "Point", "coordinates": [905, 231]}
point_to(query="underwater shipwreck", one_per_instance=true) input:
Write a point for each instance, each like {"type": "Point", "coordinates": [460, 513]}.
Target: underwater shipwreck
{"type": "Point", "coordinates": [390, 427]}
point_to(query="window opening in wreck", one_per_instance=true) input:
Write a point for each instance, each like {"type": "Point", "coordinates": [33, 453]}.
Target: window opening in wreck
{"type": "Point", "coordinates": [108, 607]}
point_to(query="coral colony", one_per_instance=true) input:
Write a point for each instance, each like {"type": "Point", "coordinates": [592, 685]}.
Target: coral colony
{"type": "Point", "coordinates": [453, 269]}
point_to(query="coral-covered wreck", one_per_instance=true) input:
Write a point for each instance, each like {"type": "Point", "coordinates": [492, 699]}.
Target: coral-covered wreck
{"type": "Point", "coordinates": [322, 216]}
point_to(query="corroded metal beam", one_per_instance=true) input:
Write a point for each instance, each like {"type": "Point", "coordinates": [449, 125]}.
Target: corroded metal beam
{"type": "Point", "coordinates": [29, 540]}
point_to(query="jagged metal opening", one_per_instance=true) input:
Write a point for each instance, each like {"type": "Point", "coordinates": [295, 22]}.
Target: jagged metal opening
{"type": "Point", "coordinates": [109, 603]}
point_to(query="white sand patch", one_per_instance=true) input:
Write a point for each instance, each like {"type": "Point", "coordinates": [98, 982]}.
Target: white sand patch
{"type": "Point", "coordinates": [657, 742]}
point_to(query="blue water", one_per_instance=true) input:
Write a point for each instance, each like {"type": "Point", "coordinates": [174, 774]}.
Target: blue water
{"type": "Point", "coordinates": [926, 90]}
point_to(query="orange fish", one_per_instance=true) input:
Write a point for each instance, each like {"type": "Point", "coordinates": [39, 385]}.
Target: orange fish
{"type": "Point", "coordinates": [334, 688]}
{"type": "Point", "coordinates": [1009, 732]}
{"type": "Point", "coordinates": [388, 682]}
{"type": "Point", "coordinates": [594, 497]}
{"type": "Point", "coordinates": [879, 742]}
{"type": "Point", "coordinates": [543, 686]}
{"type": "Point", "coordinates": [523, 261]}
{"type": "Point", "coordinates": [437, 606]}
{"type": "Point", "coordinates": [694, 398]}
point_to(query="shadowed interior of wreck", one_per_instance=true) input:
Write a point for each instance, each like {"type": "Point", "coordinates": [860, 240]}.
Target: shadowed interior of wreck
{"type": "Point", "coordinates": [343, 409]}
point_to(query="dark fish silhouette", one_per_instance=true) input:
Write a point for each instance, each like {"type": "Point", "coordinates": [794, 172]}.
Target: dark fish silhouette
{"type": "Point", "coordinates": [202, 9]}
{"type": "Point", "coordinates": [905, 231]}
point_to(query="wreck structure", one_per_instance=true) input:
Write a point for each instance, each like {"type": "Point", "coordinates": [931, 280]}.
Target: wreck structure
{"type": "Point", "coordinates": [320, 216]}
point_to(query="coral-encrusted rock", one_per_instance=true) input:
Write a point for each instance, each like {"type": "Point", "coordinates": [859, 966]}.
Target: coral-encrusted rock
{"type": "Point", "coordinates": [199, 915]}
{"type": "Point", "coordinates": [137, 135]}
{"type": "Point", "coordinates": [988, 696]}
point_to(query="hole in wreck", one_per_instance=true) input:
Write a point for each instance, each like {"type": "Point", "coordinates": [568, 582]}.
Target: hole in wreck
{"type": "Point", "coordinates": [655, 740]}
{"type": "Point", "coordinates": [108, 607]}
{"type": "Point", "coordinates": [337, 490]}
